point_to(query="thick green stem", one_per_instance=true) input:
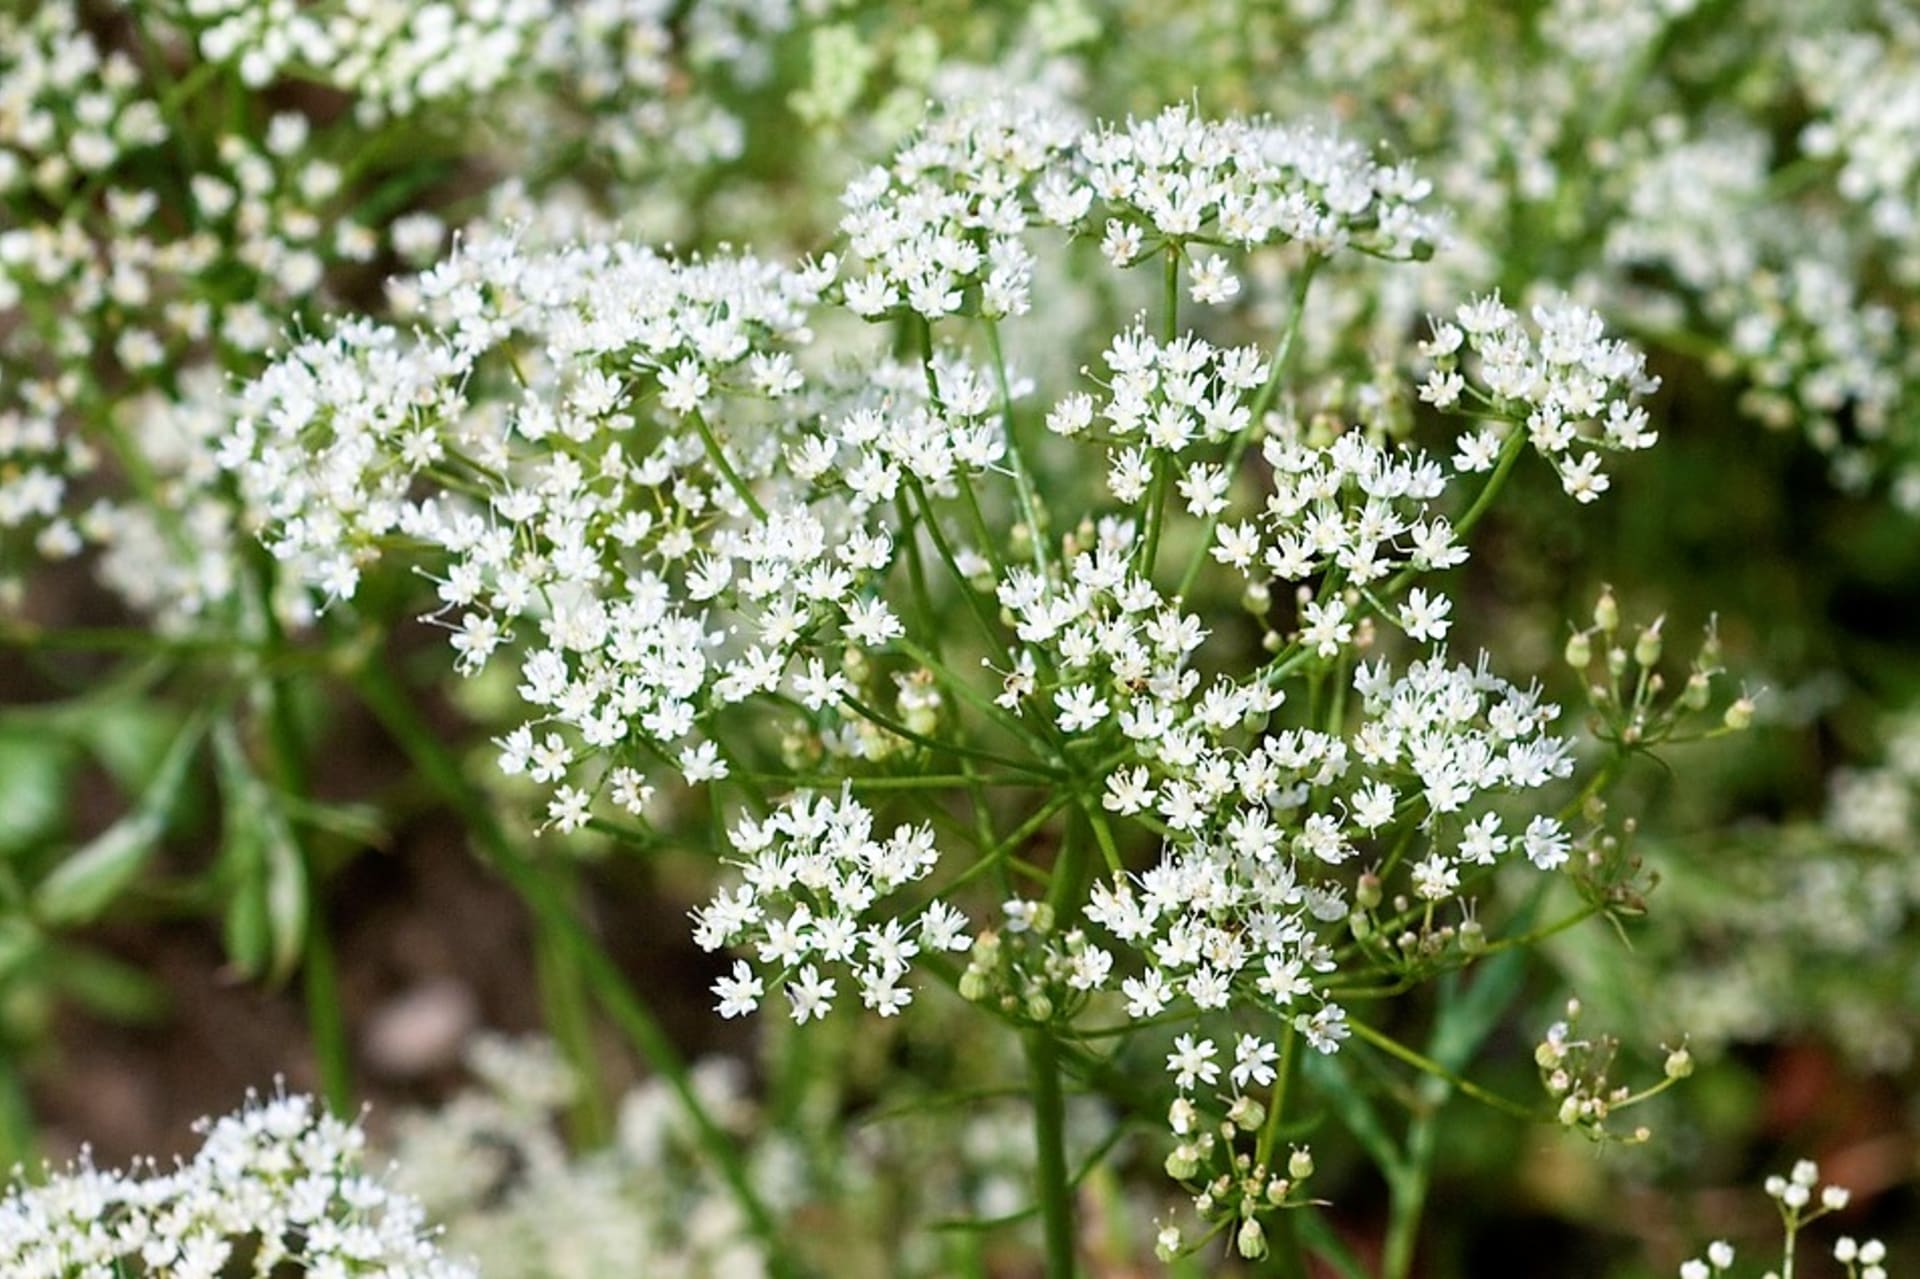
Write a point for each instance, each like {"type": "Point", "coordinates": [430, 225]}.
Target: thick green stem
{"type": "Point", "coordinates": [1052, 1184]}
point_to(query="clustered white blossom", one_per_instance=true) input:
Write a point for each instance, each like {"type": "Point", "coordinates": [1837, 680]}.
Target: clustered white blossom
{"type": "Point", "coordinates": [1570, 385]}
{"type": "Point", "coordinates": [279, 1184]}
{"type": "Point", "coordinates": [671, 567]}
{"type": "Point", "coordinates": [941, 230]}
{"type": "Point", "coordinates": [811, 875]}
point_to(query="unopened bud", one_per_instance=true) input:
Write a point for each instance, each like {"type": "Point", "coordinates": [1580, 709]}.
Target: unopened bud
{"type": "Point", "coordinates": [1679, 1063]}
{"type": "Point", "coordinates": [1579, 650]}
{"type": "Point", "coordinates": [1740, 715]}
{"type": "Point", "coordinates": [1646, 649]}
{"type": "Point", "coordinates": [1300, 1164]}
{"type": "Point", "coordinates": [1606, 612]}
{"type": "Point", "coordinates": [1698, 690]}
{"type": "Point", "coordinates": [1252, 1240]}
{"type": "Point", "coordinates": [1473, 938]}
{"type": "Point", "coordinates": [1367, 892]}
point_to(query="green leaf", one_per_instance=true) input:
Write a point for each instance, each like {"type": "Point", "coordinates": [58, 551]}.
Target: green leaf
{"type": "Point", "coordinates": [130, 737]}
{"type": "Point", "coordinates": [33, 788]}
{"type": "Point", "coordinates": [115, 990]}
{"type": "Point", "coordinates": [1325, 1244]}
{"type": "Point", "coordinates": [1355, 1111]}
{"type": "Point", "coordinates": [265, 926]}
{"type": "Point", "coordinates": [85, 884]}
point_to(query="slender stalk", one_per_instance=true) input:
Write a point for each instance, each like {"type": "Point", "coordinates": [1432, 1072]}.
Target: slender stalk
{"type": "Point", "coordinates": [326, 1020]}
{"type": "Point", "coordinates": [718, 456]}
{"type": "Point", "coordinates": [16, 1113]}
{"type": "Point", "coordinates": [989, 625]}
{"type": "Point", "coordinates": [1022, 481]}
{"type": "Point", "coordinates": [1283, 1241]}
{"type": "Point", "coordinates": [1407, 1196]}
{"type": "Point", "coordinates": [569, 1017]}
{"type": "Point", "coordinates": [1049, 1134]}
{"type": "Point", "coordinates": [326, 1023]}
{"type": "Point", "coordinates": [1394, 1048]}
{"type": "Point", "coordinates": [1509, 454]}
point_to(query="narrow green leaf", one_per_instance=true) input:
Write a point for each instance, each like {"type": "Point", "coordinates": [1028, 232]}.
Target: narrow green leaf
{"type": "Point", "coordinates": [33, 789]}
{"type": "Point", "coordinates": [1356, 1113]}
{"type": "Point", "coordinates": [115, 990]}
{"type": "Point", "coordinates": [85, 884]}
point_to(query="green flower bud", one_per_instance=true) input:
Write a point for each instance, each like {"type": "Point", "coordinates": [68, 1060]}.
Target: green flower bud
{"type": "Point", "coordinates": [1367, 892]}
{"type": "Point", "coordinates": [1646, 650]}
{"type": "Point", "coordinates": [1300, 1164]}
{"type": "Point", "coordinates": [1473, 938]}
{"type": "Point", "coordinates": [1740, 715]}
{"type": "Point", "coordinates": [1697, 692]}
{"type": "Point", "coordinates": [1252, 1240]}
{"type": "Point", "coordinates": [1606, 612]}
{"type": "Point", "coordinates": [1679, 1063]}
{"type": "Point", "coordinates": [1579, 651]}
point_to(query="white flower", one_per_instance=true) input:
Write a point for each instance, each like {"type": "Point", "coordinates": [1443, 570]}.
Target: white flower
{"type": "Point", "coordinates": [1193, 1062]}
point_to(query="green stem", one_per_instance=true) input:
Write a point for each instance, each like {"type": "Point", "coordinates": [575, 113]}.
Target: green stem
{"type": "Point", "coordinates": [1407, 1196]}
{"type": "Point", "coordinates": [989, 626]}
{"type": "Point", "coordinates": [719, 458]}
{"type": "Point", "coordinates": [1509, 454]}
{"type": "Point", "coordinates": [1022, 481]}
{"type": "Point", "coordinates": [1050, 1149]}
{"type": "Point", "coordinates": [16, 1112]}
{"type": "Point", "coordinates": [326, 1022]}
{"type": "Point", "coordinates": [1394, 1048]}
{"type": "Point", "coordinates": [569, 1018]}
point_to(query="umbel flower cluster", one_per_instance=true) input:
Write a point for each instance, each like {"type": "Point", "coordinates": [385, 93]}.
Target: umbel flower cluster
{"type": "Point", "coordinates": [278, 1185]}
{"type": "Point", "coordinates": [1030, 556]}
{"type": "Point", "coordinates": [674, 495]}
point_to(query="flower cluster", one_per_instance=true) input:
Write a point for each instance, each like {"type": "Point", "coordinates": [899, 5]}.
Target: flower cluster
{"type": "Point", "coordinates": [810, 875]}
{"type": "Point", "coordinates": [1571, 386]}
{"type": "Point", "coordinates": [942, 228]}
{"type": "Point", "coordinates": [279, 1184]}
{"type": "Point", "coordinates": [554, 405]}
{"type": "Point", "coordinates": [1801, 1199]}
